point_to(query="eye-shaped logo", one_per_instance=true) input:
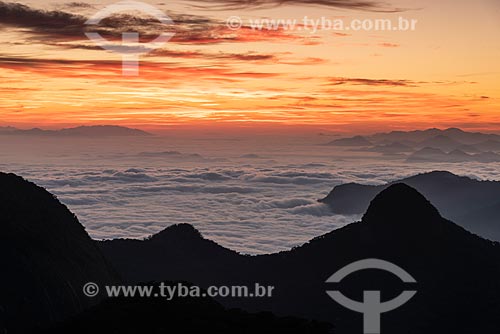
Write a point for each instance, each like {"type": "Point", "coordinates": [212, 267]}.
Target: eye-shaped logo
{"type": "Point", "coordinates": [372, 307]}
{"type": "Point", "coordinates": [130, 48]}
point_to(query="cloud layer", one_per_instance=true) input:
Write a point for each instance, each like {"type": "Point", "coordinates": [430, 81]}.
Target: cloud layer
{"type": "Point", "coordinates": [253, 202]}
{"type": "Point", "coordinates": [365, 5]}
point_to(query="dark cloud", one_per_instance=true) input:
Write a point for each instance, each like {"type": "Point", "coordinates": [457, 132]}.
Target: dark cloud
{"type": "Point", "coordinates": [16, 14]}
{"type": "Point", "coordinates": [52, 27]}
{"type": "Point", "coordinates": [372, 82]}
{"type": "Point", "coordinates": [391, 83]}
{"type": "Point", "coordinates": [365, 5]}
{"type": "Point", "coordinates": [78, 5]}
{"type": "Point", "coordinates": [60, 25]}
{"type": "Point", "coordinates": [389, 45]}
{"type": "Point", "coordinates": [103, 69]}
{"type": "Point", "coordinates": [249, 56]}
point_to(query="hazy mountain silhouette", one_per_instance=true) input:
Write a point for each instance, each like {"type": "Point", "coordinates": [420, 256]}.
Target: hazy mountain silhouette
{"type": "Point", "coordinates": [429, 154]}
{"type": "Point", "coordinates": [472, 204]}
{"type": "Point", "coordinates": [419, 136]}
{"type": "Point", "coordinates": [441, 142]}
{"type": "Point", "coordinates": [432, 145]}
{"type": "Point", "coordinates": [487, 157]}
{"type": "Point", "coordinates": [83, 131]}
{"type": "Point", "coordinates": [354, 141]}
{"type": "Point", "coordinates": [469, 148]}
{"type": "Point", "coordinates": [458, 273]}
{"type": "Point", "coordinates": [46, 258]}
{"type": "Point", "coordinates": [180, 315]}
{"type": "Point", "coordinates": [392, 148]}
{"type": "Point", "coordinates": [489, 145]}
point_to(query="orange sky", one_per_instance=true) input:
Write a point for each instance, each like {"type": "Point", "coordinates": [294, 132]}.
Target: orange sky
{"type": "Point", "coordinates": [443, 74]}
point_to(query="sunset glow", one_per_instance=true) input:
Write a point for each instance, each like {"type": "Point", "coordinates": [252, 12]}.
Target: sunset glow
{"type": "Point", "coordinates": [442, 74]}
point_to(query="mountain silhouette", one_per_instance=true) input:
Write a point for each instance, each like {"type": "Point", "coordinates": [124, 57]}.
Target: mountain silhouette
{"type": "Point", "coordinates": [441, 142]}
{"type": "Point", "coordinates": [180, 315]}
{"type": "Point", "coordinates": [181, 246]}
{"type": "Point", "coordinates": [388, 149]}
{"type": "Point", "coordinates": [430, 154]}
{"type": "Point", "coordinates": [46, 258]}
{"type": "Point", "coordinates": [354, 141]}
{"type": "Point", "coordinates": [431, 145]}
{"type": "Point", "coordinates": [419, 136]}
{"type": "Point", "coordinates": [457, 273]}
{"type": "Point", "coordinates": [80, 131]}
{"type": "Point", "coordinates": [470, 203]}
{"type": "Point", "coordinates": [488, 145]}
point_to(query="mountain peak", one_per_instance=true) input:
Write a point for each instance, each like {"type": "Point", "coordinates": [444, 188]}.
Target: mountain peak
{"type": "Point", "coordinates": [178, 231]}
{"type": "Point", "coordinates": [400, 205]}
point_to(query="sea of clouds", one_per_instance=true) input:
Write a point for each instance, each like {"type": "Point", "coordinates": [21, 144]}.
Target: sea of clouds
{"type": "Point", "coordinates": [250, 203]}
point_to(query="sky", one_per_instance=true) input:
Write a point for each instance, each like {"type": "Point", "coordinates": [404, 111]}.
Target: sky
{"type": "Point", "coordinates": [443, 74]}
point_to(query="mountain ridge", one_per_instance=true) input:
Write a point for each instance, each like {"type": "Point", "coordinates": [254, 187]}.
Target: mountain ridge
{"type": "Point", "coordinates": [457, 272]}
{"type": "Point", "coordinates": [401, 226]}
{"type": "Point", "coordinates": [84, 131]}
{"type": "Point", "coordinates": [455, 196]}
{"type": "Point", "coordinates": [447, 140]}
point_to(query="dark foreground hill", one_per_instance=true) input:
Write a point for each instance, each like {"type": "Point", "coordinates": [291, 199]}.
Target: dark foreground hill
{"type": "Point", "coordinates": [45, 258]}
{"type": "Point", "coordinates": [180, 315]}
{"type": "Point", "coordinates": [473, 204]}
{"type": "Point", "coordinates": [457, 273]}
{"type": "Point", "coordinates": [178, 252]}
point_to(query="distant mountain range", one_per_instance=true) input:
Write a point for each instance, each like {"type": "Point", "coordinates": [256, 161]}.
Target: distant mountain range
{"type": "Point", "coordinates": [432, 145]}
{"type": "Point", "coordinates": [46, 257]}
{"type": "Point", "coordinates": [419, 136]}
{"type": "Point", "coordinates": [352, 141]}
{"type": "Point", "coordinates": [472, 204]}
{"type": "Point", "coordinates": [83, 131]}
{"type": "Point", "coordinates": [429, 154]}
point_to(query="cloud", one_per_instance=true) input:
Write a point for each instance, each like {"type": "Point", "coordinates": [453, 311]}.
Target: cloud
{"type": "Point", "coordinates": [175, 156]}
{"type": "Point", "coordinates": [285, 203]}
{"type": "Point", "coordinates": [16, 14]}
{"type": "Point", "coordinates": [78, 5]}
{"type": "Point", "coordinates": [284, 178]}
{"type": "Point", "coordinates": [107, 69]}
{"type": "Point", "coordinates": [249, 56]}
{"type": "Point", "coordinates": [317, 210]}
{"type": "Point", "coordinates": [389, 45]}
{"type": "Point", "coordinates": [305, 61]}
{"type": "Point", "coordinates": [217, 32]}
{"type": "Point", "coordinates": [221, 200]}
{"type": "Point", "coordinates": [208, 176]}
{"type": "Point", "coordinates": [372, 82]}
{"type": "Point", "coordinates": [364, 5]}
{"type": "Point", "coordinates": [53, 27]}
